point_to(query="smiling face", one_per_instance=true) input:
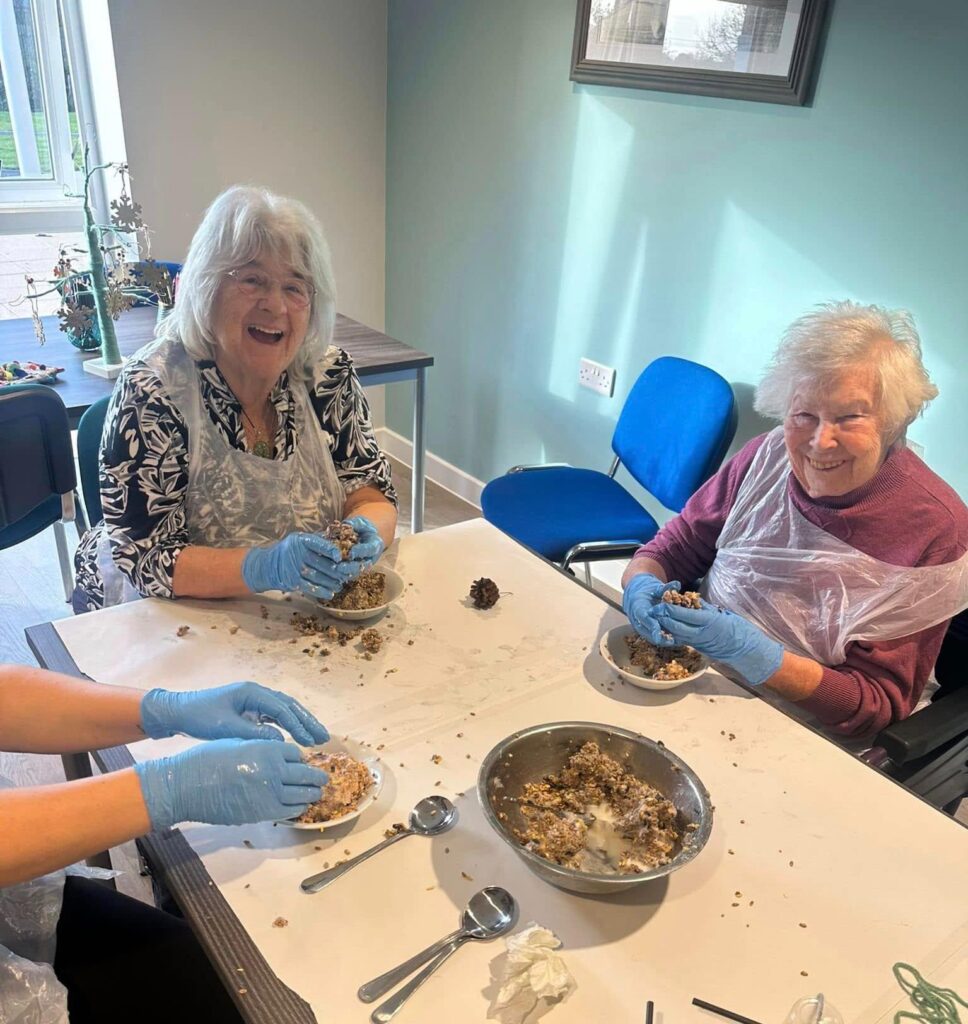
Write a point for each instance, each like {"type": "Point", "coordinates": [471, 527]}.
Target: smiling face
{"type": "Point", "coordinates": [834, 435]}
{"type": "Point", "coordinates": [258, 336]}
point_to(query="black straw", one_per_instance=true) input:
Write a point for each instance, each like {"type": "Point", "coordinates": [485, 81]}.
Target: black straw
{"type": "Point", "coordinates": [649, 1007]}
{"type": "Point", "coordinates": [728, 1014]}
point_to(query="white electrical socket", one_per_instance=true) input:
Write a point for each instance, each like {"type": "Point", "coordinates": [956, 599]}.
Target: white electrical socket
{"type": "Point", "coordinates": [596, 377]}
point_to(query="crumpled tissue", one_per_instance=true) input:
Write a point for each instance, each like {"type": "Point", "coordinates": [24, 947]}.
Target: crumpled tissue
{"type": "Point", "coordinates": [532, 971]}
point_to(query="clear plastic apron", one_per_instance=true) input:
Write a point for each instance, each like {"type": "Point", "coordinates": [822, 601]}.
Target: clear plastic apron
{"type": "Point", "coordinates": [812, 592]}
{"type": "Point", "coordinates": [235, 498]}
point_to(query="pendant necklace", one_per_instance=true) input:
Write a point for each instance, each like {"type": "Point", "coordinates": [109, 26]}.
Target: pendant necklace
{"type": "Point", "coordinates": [260, 446]}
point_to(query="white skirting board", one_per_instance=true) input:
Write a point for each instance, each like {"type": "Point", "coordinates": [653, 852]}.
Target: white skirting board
{"type": "Point", "coordinates": [607, 576]}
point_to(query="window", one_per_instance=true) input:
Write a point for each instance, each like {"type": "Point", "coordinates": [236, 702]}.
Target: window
{"type": "Point", "coordinates": [40, 150]}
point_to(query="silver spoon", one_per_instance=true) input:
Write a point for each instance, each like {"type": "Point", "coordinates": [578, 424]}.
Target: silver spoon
{"type": "Point", "coordinates": [484, 909]}
{"type": "Point", "coordinates": [432, 816]}
{"type": "Point", "coordinates": [495, 912]}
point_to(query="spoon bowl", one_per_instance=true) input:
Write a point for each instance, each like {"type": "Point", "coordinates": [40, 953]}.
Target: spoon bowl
{"type": "Point", "coordinates": [432, 815]}
{"type": "Point", "coordinates": [489, 913]}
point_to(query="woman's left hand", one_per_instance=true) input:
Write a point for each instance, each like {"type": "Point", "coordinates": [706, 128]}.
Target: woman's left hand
{"type": "Point", "coordinates": [234, 711]}
{"type": "Point", "coordinates": [723, 636]}
{"type": "Point", "coordinates": [369, 547]}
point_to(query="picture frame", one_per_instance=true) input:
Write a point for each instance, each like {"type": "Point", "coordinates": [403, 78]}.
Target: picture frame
{"type": "Point", "coordinates": [763, 50]}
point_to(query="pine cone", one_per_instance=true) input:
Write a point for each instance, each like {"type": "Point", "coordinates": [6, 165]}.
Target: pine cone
{"type": "Point", "coordinates": [484, 593]}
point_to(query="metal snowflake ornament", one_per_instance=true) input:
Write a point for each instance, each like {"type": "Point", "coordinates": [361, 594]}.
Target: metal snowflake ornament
{"type": "Point", "coordinates": [157, 279]}
{"type": "Point", "coordinates": [118, 300]}
{"type": "Point", "coordinates": [76, 319]}
{"type": "Point", "coordinates": [126, 213]}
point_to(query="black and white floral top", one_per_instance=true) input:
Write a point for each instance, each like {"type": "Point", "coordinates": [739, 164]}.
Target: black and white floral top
{"type": "Point", "coordinates": [144, 464]}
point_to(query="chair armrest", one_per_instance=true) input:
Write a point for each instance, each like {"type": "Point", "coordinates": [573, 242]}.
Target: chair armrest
{"type": "Point", "coordinates": [600, 551]}
{"type": "Point", "coordinates": [929, 729]}
{"type": "Point", "coordinates": [543, 465]}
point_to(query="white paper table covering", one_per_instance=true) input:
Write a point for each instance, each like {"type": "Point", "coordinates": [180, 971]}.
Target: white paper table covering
{"type": "Point", "coordinates": [876, 876]}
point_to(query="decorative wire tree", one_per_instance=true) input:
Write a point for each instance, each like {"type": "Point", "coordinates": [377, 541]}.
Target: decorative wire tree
{"type": "Point", "coordinates": [110, 281]}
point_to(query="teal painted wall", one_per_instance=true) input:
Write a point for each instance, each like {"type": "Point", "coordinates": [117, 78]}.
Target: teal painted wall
{"type": "Point", "coordinates": [531, 221]}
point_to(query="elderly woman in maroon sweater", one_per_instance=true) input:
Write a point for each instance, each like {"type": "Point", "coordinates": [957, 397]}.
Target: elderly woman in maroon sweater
{"type": "Point", "coordinates": [830, 556]}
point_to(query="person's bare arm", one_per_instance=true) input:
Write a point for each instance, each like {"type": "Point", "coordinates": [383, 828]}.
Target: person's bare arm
{"type": "Point", "coordinates": [643, 564]}
{"type": "Point", "coordinates": [373, 503]}
{"type": "Point", "coordinates": [210, 572]}
{"type": "Point", "coordinates": [796, 678]}
{"type": "Point", "coordinates": [49, 827]}
{"type": "Point", "coordinates": [47, 713]}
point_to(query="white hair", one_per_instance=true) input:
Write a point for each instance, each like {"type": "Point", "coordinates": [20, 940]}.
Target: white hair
{"type": "Point", "coordinates": [242, 225]}
{"type": "Point", "coordinates": [817, 348]}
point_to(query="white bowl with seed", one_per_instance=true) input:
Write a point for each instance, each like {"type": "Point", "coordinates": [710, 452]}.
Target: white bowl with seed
{"type": "Point", "coordinates": [342, 750]}
{"type": "Point", "coordinates": [393, 587]}
{"type": "Point", "coordinates": [615, 649]}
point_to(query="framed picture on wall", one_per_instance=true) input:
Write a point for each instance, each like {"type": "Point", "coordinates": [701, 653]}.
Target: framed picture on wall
{"type": "Point", "coordinates": [761, 50]}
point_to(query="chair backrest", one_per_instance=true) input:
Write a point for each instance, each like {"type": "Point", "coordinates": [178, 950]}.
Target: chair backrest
{"type": "Point", "coordinates": [675, 428]}
{"type": "Point", "coordinates": [951, 668]}
{"type": "Point", "coordinates": [89, 432]}
{"type": "Point", "coordinates": [36, 460]}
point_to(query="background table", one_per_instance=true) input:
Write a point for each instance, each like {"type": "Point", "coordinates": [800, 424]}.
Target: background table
{"type": "Point", "coordinates": [819, 874]}
{"type": "Point", "coordinates": [378, 359]}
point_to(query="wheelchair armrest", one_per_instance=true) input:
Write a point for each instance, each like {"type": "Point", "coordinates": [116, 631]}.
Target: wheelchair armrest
{"type": "Point", "coordinates": [927, 730]}
{"type": "Point", "coordinates": [542, 465]}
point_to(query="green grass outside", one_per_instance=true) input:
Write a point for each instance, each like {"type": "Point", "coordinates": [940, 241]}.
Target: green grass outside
{"type": "Point", "coordinates": [8, 152]}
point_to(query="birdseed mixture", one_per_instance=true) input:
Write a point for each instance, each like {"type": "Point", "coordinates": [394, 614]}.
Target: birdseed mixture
{"type": "Point", "coordinates": [687, 599]}
{"type": "Point", "coordinates": [596, 816]}
{"type": "Point", "coordinates": [366, 591]}
{"type": "Point", "coordinates": [349, 782]}
{"type": "Point", "coordinates": [665, 663]}
{"type": "Point", "coordinates": [343, 535]}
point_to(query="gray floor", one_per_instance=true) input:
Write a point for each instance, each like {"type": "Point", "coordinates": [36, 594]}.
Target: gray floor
{"type": "Point", "coordinates": [30, 593]}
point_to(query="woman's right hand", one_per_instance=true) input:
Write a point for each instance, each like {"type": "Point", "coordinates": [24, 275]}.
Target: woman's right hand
{"type": "Point", "coordinates": [643, 594]}
{"type": "Point", "coordinates": [304, 562]}
{"type": "Point", "coordinates": [229, 782]}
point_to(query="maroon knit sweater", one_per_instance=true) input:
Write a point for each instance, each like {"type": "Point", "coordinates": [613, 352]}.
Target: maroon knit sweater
{"type": "Point", "coordinates": [904, 515]}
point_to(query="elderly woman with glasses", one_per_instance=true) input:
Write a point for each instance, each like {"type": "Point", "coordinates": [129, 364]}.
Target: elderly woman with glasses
{"type": "Point", "coordinates": [240, 433]}
{"type": "Point", "coordinates": [831, 557]}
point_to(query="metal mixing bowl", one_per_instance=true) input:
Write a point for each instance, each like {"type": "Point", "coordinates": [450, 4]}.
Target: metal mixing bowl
{"type": "Point", "coordinates": [531, 754]}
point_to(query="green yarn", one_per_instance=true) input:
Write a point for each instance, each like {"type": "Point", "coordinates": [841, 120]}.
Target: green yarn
{"type": "Point", "coordinates": [934, 1005]}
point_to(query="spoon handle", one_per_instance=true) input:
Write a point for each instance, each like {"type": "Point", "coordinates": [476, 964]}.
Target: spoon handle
{"type": "Point", "coordinates": [316, 882]}
{"type": "Point", "coordinates": [388, 1010]}
{"type": "Point", "coordinates": [390, 979]}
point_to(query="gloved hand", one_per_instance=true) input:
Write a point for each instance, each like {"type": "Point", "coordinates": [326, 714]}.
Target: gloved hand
{"type": "Point", "coordinates": [229, 782]}
{"type": "Point", "coordinates": [369, 547]}
{"type": "Point", "coordinates": [305, 562]}
{"type": "Point", "coordinates": [639, 601]}
{"type": "Point", "coordinates": [723, 636]}
{"type": "Point", "coordinates": [237, 710]}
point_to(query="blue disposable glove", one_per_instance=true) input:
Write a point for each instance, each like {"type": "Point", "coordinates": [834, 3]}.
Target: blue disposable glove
{"type": "Point", "coordinates": [229, 782]}
{"type": "Point", "coordinates": [237, 710]}
{"type": "Point", "coordinates": [369, 547]}
{"type": "Point", "coordinates": [306, 562]}
{"type": "Point", "coordinates": [723, 636]}
{"type": "Point", "coordinates": [641, 598]}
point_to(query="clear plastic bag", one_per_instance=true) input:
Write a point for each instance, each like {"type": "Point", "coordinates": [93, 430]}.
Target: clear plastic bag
{"type": "Point", "coordinates": [812, 592]}
{"type": "Point", "coordinates": [30, 993]}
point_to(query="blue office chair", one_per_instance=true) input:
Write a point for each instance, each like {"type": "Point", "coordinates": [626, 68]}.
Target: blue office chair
{"type": "Point", "coordinates": [674, 430]}
{"type": "Point", "coordinates": [89, 432]}
{"type": "Point", "coordinates": [37, 478]}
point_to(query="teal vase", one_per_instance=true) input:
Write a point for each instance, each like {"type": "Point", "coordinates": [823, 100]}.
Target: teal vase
{"type": "Point", "coordinates": [90, 340]}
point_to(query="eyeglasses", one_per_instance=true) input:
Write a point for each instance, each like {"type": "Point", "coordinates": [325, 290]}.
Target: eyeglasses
{"type": "Point", "coordinates": [256, 285]}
